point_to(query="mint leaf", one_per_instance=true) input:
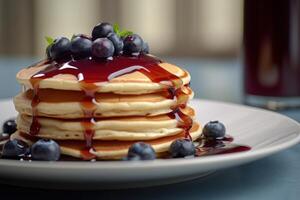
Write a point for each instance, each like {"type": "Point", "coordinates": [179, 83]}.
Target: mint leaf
{"type": "Point", "coordinates": [73, 36]}
{"type": "Point", "coordinates": [116, 28]}
{"type": "Point", "coordinates": [125, 33]}
{"type": "Point", "coordinates": [49, 40]}
{"type": "Point", "coordinates": [120, 33]}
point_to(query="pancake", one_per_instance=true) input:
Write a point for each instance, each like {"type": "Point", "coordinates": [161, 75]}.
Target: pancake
{"type": "Point", "coordinates": [129, 83]}
{"type": "Point", "coordinates": [105, 105]}
{"type": "Point", "coordinates": [99, 107]}
{"type": "Point", "coordinates": [121, 128]}
{"type": "Point", "coordinates": [111, 150]}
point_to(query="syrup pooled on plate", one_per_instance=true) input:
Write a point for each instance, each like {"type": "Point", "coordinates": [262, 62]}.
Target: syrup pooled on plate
{"type": "Point", "coordinates": [225, 145]}
{"type": "Point", "coordinates": [91, 71]}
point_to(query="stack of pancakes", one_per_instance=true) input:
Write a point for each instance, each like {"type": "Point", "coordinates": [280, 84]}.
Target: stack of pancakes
{"type": "Point", "coordinates": [127, 109]}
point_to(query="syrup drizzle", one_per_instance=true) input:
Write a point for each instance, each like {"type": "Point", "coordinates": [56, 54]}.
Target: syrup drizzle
{"type": "Point", "coordinates": [184, 121]}
{"type": "Point", "coordinates": [88, 108]}
{"type": "Point", "coordinates": [35, 125]}
{"type": "Point", "coordinates": [35, 82]}
{"type": "Point", "coordinates": [89, 72]}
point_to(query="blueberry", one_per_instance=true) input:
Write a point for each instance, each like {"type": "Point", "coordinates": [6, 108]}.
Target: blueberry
{"type": "Point", "coordinates": [117, 42]}
{"type": "Point", "coordinates": [142, 151]}
{"type": "Point", "coordinates": [81, 47]}
{"type": "Point", "coordinates": [214, 129]}
{"type": "Point", "coordinates": [45, 149]}
{"type": "Point", "coordinates": [14, 149]}
{"type": "Point", "coordinates": [9, 126]}
{"type": "Point", "coordinates": [102, 30]}
{"type": "Point", "coordinates": [82, 36]}
{"type": "Point", "coordinates": [102, 48]}
{"type": "Point", "coordinates": [181, 148]}
{"type": "Point", "coordinates": [132, 157]}
{"type": "Point", "coordinates": [48, 53]}
{"type": "Point", "coordinates": [133, 44]}
{"type": "Point", "coordinates": [145, 48]}
{"type": "Point", "coordinates": [60, 49]}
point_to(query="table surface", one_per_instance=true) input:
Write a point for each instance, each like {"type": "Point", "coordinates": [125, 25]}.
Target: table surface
{"type": "Point", "coordinates": [274, 177]}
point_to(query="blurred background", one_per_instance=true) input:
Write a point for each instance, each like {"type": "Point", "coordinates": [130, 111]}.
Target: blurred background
{"type": "Point", "coordinates": [235, 50]}
{"type": "Point", "coordinates": [200, 28]}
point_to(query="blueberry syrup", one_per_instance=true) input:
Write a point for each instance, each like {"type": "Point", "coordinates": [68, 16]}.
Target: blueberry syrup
{"type": "Point", "coordinates": [207, 146]}
{"type": "Point", "coordinates": [91, 71]}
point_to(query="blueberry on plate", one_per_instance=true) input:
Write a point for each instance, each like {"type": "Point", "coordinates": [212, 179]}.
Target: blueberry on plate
{"type": "Point", "coordinates": [102, 48]}
{"type": "Point", "coordinates": [45, 149]}
{"type": "Point", "coordinates": [9, 126]}
{"type": "Point", "coordinates": [141, 151]}
{"type": "Point", "coordinates": [102, 30]}
{"type": "Point", "coordinates": [60, 49]}
{"type": "Point", "coordinates": [133, 44]}
{"type": "Point", "coordinates": [117, 42]}
{"type": "Point", "coordinates": [214, 129]}
{"type": "Point", "coordinates": [145, 48]}
{"type": "Point", "coordinates": [132, 157]}
{"type": "Point", "coordinates": [81, 47]}
{"type": "Point", "coordinates": [15, 149]}
{"type": "Point", "coordinates": [181, 148]}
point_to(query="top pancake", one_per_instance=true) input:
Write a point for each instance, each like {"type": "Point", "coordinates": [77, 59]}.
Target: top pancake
{"type": "Point", "coordinates": [133, 82]}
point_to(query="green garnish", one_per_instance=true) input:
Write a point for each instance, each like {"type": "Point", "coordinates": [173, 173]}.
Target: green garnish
{"type": "Point", "coordinates": [49, 40]}
{"type": "Point", "coordinates": [73, 36]}
{"type": "Point", "coordinates": [125, 33]}
{"type": "Point", "coordinates": [116, 28]}
{"type": "Point", "coordinates": [121, 33]}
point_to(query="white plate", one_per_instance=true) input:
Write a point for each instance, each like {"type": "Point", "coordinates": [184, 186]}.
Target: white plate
{"type": "Point", "coordinates": [266, 132]}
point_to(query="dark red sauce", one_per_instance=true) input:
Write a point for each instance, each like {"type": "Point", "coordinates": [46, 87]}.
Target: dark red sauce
{"type": "Point", "coordinates": [218, 146]}
{"type": "Point", "coordinates": [184, 121]}
{"type": "Point", "coordinates": [90, 71]}
{"type": "Point", "coordinates": [182, 96]}
{"type": "Point", "coordinates": [86, 154]}
{"type": "Point", "coordinates": [35, 125]}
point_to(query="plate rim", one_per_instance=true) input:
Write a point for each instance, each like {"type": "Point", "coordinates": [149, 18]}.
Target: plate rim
{"type": "Point", "coordinates": [249, 155]}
